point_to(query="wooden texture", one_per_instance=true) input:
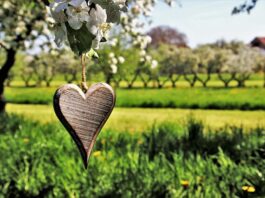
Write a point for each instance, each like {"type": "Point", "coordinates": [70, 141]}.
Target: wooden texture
{"type": "Point", "coordinates": [83, 115]}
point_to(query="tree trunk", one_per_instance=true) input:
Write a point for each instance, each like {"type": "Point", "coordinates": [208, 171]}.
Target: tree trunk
{"type": "Point", "coordinates": [241, 80]}
{"type": "Point", "coordinates": [67, 79]}
{"type": "Point", "coordinates": [204, 81]}
{"type": "Point", "coordinates": [131, 82]}
{"type": "Point", "coordinates": [191, 81]}
{"type": "Point", "coordinates": [48, 83]}
{"type": "Point", "coordinates": [241, 83]}
{"type": "Point", "coordinates": [129, 85]}
{"type": "Point", "coordinates": [226, 81]}
{"type": "Point", "coordinates": [108, 79]}
{"type": "Point", "coordinates": [173, 83]}
{"type": "Point", "coordinates": [117, 84]}
{"type": "Point", "coordinates": [160, 83]}
{"type": "Point", "coordinates": [10, 60]}
{"type": "Point", "coordinates": [174, 80]}
{"type": "Point", "coordinates": [27, 83]}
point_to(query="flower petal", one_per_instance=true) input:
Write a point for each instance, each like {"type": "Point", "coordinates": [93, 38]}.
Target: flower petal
{"type": "Point", "coordinates": [74, 22]}
{"type": "Point", "coordinates": [61, 6]}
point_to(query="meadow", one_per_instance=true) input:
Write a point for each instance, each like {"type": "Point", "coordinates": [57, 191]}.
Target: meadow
{"type": "Point", "coordinates": [39, 160]}
{"type": "Point", "coordinates": [249, 98]}
{"type": "Point", "coordinates": [139, 119]}
{"type": "Point", "coordinates": [170, 142]}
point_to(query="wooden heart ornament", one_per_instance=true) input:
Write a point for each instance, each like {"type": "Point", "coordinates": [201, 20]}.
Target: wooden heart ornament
{"type": "Point", "coordinates": [83, 115]}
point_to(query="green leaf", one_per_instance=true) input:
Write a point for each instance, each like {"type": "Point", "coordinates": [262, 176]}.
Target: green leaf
{"type": "Point", "coordinates": [80, 40]}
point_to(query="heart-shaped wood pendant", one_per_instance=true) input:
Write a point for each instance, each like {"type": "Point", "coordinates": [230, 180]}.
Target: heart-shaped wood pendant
{"type": "Point", "coordinates": [83, 115]}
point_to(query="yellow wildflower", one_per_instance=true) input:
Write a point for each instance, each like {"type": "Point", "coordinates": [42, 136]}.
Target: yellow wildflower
{"type": "Point", "coordinates": [184, 183]}
{"type": "Point", "coordinates": [97, 153]}
{"type": "Point", "coordinates": [249, 189]}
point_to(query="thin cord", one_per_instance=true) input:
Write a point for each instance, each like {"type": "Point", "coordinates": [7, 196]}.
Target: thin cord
{"type": "Point", "coordinates": [83, 63]}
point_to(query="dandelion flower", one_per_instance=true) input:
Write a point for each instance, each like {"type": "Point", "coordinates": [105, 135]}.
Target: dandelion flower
{"type": "Point", "coordinates": [249, 189]}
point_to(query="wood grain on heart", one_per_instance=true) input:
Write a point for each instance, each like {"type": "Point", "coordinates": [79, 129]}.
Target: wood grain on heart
{"type": "Point", "coordinates": [83, 115]}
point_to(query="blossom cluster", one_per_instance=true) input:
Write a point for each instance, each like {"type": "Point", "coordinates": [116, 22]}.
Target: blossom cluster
{"type": "Point", "coordinates": [21, 21]}
{"type": "Point", "coordinates": [114, 61]}
{"type": "Point", "coordinates": [243, 61]}
{"type": "Point", "coordinates": [84, 23]}
{"type": "Point", "coordinates": [146, 59]}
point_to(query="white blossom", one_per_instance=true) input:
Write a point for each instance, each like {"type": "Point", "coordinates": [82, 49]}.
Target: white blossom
{"type": "Point", "coordinates": [154, 64]}
{"type": "Point", "coordinates": [142, 53]}
{"type": "Point", "coordinates": [148, 58]}
{"type": "Point", "coordinates": [113, 42]}
{"type": "Point", "coordinates": [121, 59]}
{"type": "Point", "coordinates": [76, 14]}
{"type": "Point", "coordinates": [114, 61]}
{"type": "Point", "coordinates": [111, 55]}
{"type": "Point", "coordinates": [114, 68]}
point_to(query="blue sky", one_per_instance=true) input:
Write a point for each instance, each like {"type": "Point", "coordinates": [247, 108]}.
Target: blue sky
{"type": "Point", "coordinates": [205, 21]}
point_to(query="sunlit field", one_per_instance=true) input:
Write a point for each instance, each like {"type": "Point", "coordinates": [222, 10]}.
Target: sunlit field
{"type": "Point", "coordinates": [138, 119]}
{"type": "Point", "coordinates": [184, 97]}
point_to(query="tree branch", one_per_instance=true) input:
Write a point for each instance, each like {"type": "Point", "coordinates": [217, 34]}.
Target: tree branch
{"type": "Point", "coordinates": [46, 2]}
{"type": "Point", "coordinates": [3, 46]}
{"type": "Point", "coordinates": [245, 7]}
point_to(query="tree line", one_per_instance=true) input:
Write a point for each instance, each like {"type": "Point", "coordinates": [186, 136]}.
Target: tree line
{"type": "Point", "coordinates": [232, 61]}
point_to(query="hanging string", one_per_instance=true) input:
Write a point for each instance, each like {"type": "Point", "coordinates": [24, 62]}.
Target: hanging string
{"type": "Point", "coordinates": [83, 63]}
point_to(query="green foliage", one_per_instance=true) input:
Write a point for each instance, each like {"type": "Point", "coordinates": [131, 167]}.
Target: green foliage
{"type": "Point", "coordinates": [80, 41]}
{"type": "Point", "coordinates": [42, 161]}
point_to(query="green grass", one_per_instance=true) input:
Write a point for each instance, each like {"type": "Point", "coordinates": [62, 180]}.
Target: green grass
{"type": "Point", "coordinates": [192, 98]}
{"type": "Point", "coordinates": [138, 119]}
{"type": "Point", "coordinates": [40, 160]}
{"type": "Point", "coordinates": [196, 98]}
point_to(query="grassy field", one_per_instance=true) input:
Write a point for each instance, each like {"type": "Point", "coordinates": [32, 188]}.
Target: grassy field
{"type": "Point", "coordinates": [41, 160]}
{"type": "Point", "coordinates": [138, 119]}
{"type": "Point", "coordinates": [141, 152]}
{"type": "Point", "coordinates": [192, 98]}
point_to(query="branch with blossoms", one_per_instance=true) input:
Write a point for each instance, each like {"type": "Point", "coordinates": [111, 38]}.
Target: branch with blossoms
{"type": "Point", "coordinates": [83, 24]}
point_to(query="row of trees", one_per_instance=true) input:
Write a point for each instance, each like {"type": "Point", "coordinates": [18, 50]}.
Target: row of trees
{"type": "Point", "coordinates": [230, 61]}
{"type": "Point", "coordinates": [45, 67]}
